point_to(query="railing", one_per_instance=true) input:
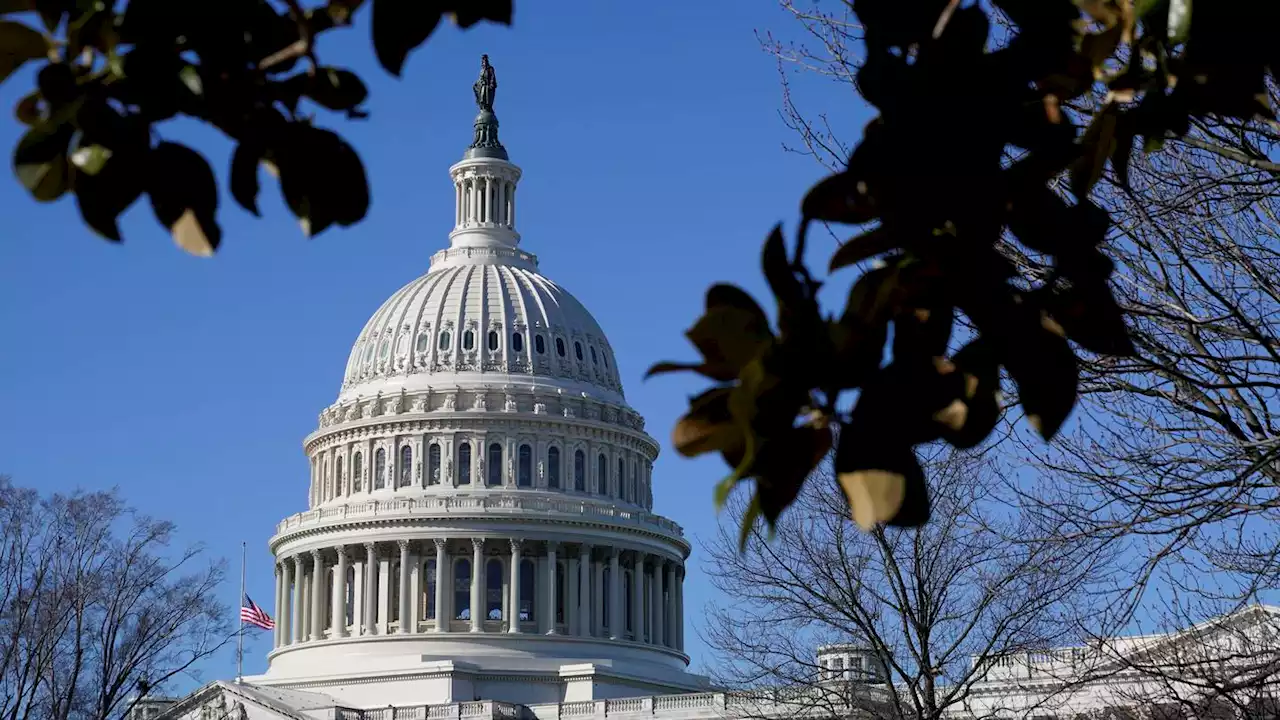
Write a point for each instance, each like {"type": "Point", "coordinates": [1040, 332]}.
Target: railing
{"type": "Point", "coordinates": [453, 711]}
{"type": "Point", "coordinates": [477, 504]}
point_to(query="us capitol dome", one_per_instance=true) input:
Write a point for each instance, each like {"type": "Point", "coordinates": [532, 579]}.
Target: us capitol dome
{"type": "Point", "coordinates": [480, 516]}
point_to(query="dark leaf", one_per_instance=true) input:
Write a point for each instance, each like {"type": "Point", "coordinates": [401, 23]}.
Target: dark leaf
{"type": "Point", "coordinates": [466, 14]}
{"type": "Point", "coordinates": [863, 247]}
{"type": "Point", "coordinates": [1090, 316]}
{"type": "Point", "coordinates": [839, 198]}
{"type": "Point", "coordinates": [1040, 361]}
{"type": "Point", "coordinates": [784, 463]}
{"type": "Point", "coordinates": [40, 160]}
{"type": "Point", "coordinates": [1098, 143]}
{"type": "Point", "coordinates": [399, 26]}
{"type": "Point", "coordinates": [321, 178]}
{"type": "Point", "coordinates": [708, 426]}
{"type": "Point", "coordinates": [729, 337]}
{"type": "Point", "coordinates": [922, 333]}
{"type": "Point", "coordinates": [18, 44]}
{"type": "Point", "coordinates": [27, 111]}
{"type": "Point", "coordinates": [336, 89]}
{"type": "Point", "coordinates": [90, 159]}
{"type": "Point", "coordinates": [104, 196]}
{"type": "Point", "coordinates": [244, 176]}
{"type": "Point", "coordinates": [970, 418]}
{"type": "Point", "coordinates": [881, 479]}
{"type": "Point", "coordinates": [184, 197]}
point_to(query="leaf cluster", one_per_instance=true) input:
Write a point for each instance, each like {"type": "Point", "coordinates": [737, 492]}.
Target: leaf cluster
{"type": "Point", "coordinates": [972, 146]}
{"type": "Point", "coordinates": [109, 75]}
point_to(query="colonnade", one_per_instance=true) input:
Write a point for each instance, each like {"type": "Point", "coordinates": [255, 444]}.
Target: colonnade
{"type": "Point", "coordinates": [521, 586]}
{"type": "Point", "coordinates": [481, 199]}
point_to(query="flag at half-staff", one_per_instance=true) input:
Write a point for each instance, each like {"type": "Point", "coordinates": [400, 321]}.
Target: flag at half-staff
{"type": "Point", "coordinates": [253, 615]}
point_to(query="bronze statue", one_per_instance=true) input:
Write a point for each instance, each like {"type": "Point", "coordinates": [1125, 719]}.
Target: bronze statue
{"type": "Point", "coordinates": [487, 86]}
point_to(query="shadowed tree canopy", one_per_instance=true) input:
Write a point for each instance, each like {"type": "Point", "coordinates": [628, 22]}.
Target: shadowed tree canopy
{"type": "Point", "coordinates": [111, 70]}
{"type": "Point", "coordinates": [995, 121]}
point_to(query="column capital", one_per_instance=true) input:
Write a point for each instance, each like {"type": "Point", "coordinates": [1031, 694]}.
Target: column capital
{"type": "Point", "coordinates": [553, 545]}
{"type": "Point", "coordinates": [440, 543]}
{"type": "Point", "coordinates": [478, 542]}
{"type": "Point", "coordinates": [402, 544]}
{"type": "Point", "coordinates": [614, 552]}
{"type": "Point", "coordinates": [516, 544]}
{"type": "Point", "coordinates": [340, 549]}
{"type": "Point", "coordinates": [369, 547]}
{"type": "Point", "coordinates": [296, 559]}
{"type": "Point", "coordinates": [315, 554]}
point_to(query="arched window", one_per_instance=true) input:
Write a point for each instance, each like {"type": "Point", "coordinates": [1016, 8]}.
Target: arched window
{"type": "Point", "coordinates": [593, 355]}
{"type": "Point", "coordinates": [560, 592]}
{"type": "Point", "coordinates": [406, 466]}
{"type": "Point", "coordinates": [433, 464]}
{"type": "Point", "coordinates": [393, 588]}
{"type": "Point", "coordinates": [524, 473]}
{"type": "Point", "coordinates": [429, 591]}
{"type": "Point", "coordinates": [626, 600]}
{"type": "Point", "coordinates": [528, 577]}
{"type": "Point", "coordinates": [622, 479]}
{"type": "Point", "coordinates": [539, 345]}
{"type": "Point", "coordinates": [493, 340]}
{"type": "Point", "coordinates": [517, 342]}
{"type": "Point", "coordinates": [553, 467]}
{"type": "Point", "coordinates": [604, 596]}
{"type": "Point", "coordinates": [635, 485]}
{"type": "Point", "coordinates": [464, 464]}
{"type": "Point", "coordinates": [604, 358]}
{"type": "Point", "coordinates": [493, 590]}
{"type": "Point", "coordinates": [468, 340]}
{"type": "Point", "coordinates": [384, 348]}
{"type": "Point", "coordinates": [579, 471]}
{"type": "Point", "coordinates": [577, 350]}
{"type": "Point", "coordinates": [462, 589]}
{"type": "Point", "coordinates": [423, 340]}
{"type": "Point", "coordinates": [379, 469]}
{"type": "Point", "coordinates": [357, 472]}
{"type": "Point", "coordinates": [351, 594]}
{"type": "Point", "coordinates": [445, 340]}
{"type": "Point", "coordinates": [602, 475]}
{"type": "Point", "coordinates": [560, 347]}
{"type": "Point", "coordinates": [495, 464]}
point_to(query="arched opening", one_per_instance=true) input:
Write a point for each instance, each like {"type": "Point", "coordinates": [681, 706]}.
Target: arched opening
{"type": "Point", "coordinates": [379, 469]}
{"type": "Point", "coordinates": [517, 342]}
{"type": "Point", "coordinates": [577, 350]}
{"type": "Point", "coordinates": [495, 464]}
{"type": "Point", "coordinates": [464, 464]}
{"type": "Point", "coordinates": [357, 472]}
{"type": "Point", "coordinates": [539, 345]}
{"type": "Point", "coordinates": [635, 484]}
{"type": "Point", "coordinates": [524, 473]}
{"type": "Point", "coordinates": [445, 340]}
{"type": "Point", "coordinates": [493, 340]}
{"type": "Point", "coordinates": [493, 590]}
{"type": "Point", "coordinates": [468, 340]}
{"type": "Point", "coordinates": [528, 594]}
{"type": "Point", "coordinates": [406, 466]}
{"type": "Point", "coordinates": [622, 479]}
{"type": "Point", "coordinates": [553, 468]}
{"type": "Point", "coordinates": [579, 471]}
{"type": "Point", "coordinates": [462, 589]}
{"type": "Point", "coordinates": [339, 487]}
{"type": "Point", "coordinates": [560, 347]}
{"type": "Point", "coordinates": [429, 590]}
{"type": "Point", "coordinates": [433, 464]}
{"type": "Point", "coordinates": [602, 475]}
{"type": "Point", "coordinates": [593, 356]}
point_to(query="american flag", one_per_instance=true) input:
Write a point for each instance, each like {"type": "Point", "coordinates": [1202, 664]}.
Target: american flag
{"type": "Point", "coordinates": [254, 615]}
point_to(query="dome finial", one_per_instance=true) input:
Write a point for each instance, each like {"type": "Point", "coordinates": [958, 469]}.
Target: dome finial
{"type": "Point", "coordinates": [485, 142]}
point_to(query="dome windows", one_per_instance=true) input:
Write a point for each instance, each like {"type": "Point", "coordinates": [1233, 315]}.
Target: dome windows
{"type": "Point", "coordinates": [577, 350]}
{"type": "Point", "coordinates": [433, 464]}
{"type": "Point", "coordinates": [493, 340]}
{"type": "Point", "coordinates": [602, 475]}
{"type": "Point", "coordinates": [384, 348]}
{"type": "Point", "coordinates": [622, 485]}
{"type": "Point", "coordinates": [494, 468]}
{"type": "Point", "coordinates": [579, 471]}
{"type": "Point", "coordinates": [560, 347]}
{"type": "Point", "coordinates": [553, 468]}
{"type": "Point", "coordinates": [539, 345]}
{"type": "Point", "coordinates": [380, 469]}
{"type": "Point", "coordinates": [524, 473]}
{"type": "Point", "coordinates": [357, 472]}
{"type": "Point", "coordinates": [406, 467]}
{"type": "Point", "coordinates": [468, 340]}
{"type": "Point", "coordinates": [517, 342]}
{"type": "Point", "coordinates": [464, 464]}
{"type": "Point", "coordinates": [593, 356]}
{"type": "Point", "coordinates": [445, 340]}
{"type": "Point", "coordinates": [423, 342]}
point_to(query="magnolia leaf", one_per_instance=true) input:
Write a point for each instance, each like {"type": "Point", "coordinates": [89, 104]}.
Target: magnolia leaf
{"type": "Point", "coordinates": [729, 337]}
{"type": "Point", "coordinates": [27, 110]}
{"type": "Point", "coordinates": [244, 175]}
{"type": "Point", "coordinates": [400, 26]}
{"type": "Point", "coordinates": [101, 198]}
{"type": "Point", "coordinates": [839, 198]}
{"type": "Point", "coordinates": [862, 247]}
{"type": "Point", "coordinates": [713, 372]}
{"type": "Point", "coordinates": [784, 463]}
{"type": "Point", "coordinates": [40, 160]}
{"type": "Point", "coordinates": [18, 44]}
{"type": "Point", "coordinates": [1041, 363]}
{"type": "Point", "coordinates": [882, 484]}
{"type": "Point", "coordinates": [184, 197]}
{"type": "Point", "coordinates": [90, 159]}
{"type": "Point", "coordinates": [1089, 316]}
{"type": "Point", "coordinates": [1179, 21]}
{"type": "Point", "coordinates": [336, 88]}
{"type": "Point", "coordinates": [707, 427]}
{"type": "Point", "coordinates": [1099, 143]}
{"type": "Point", "coordinates": [468, 13]}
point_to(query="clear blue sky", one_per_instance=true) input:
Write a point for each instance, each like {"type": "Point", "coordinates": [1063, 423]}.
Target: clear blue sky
{"type": "Point", "coordinates": [651, 145]}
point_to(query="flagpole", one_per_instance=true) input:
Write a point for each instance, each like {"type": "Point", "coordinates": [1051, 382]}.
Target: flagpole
{"type": "Point", "coordinates": [240, 638]}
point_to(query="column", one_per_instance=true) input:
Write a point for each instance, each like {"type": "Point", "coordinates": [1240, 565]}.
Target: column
{"type": "Point", "coordinates": [406, 612]}
{"type": "Point", "coordinates": [597, 598]}
{"type": "Point", "coordinates": [679, 618]}
{"type": "Point", "coordinates": [511, 217]}
{"type": "Point", "coordinates": [295, 613]}
{"type": "Point", "coordinates": [616, 631]}
{"type": "Point", "coordinates": [370, 588]}
{"type": "Point", "coordinates": [275, 606]}
{"type": "Point", "coordinates": [552, 589]}
{"type": "Point", "coordinates": [637, 597]}
{"type": "Point", "coordinates": [457, 205]}
{"type": "Point", "coordinates": [284, 610]}
{"type": "Point", "coordinates": [513, 622]}
{"type": "Point", "coordinates": [442, 614]}
{"type": "Point", "coordinates": [386, 592]}
{"type": "Point", "coordinates": [474, 194]}
{"type": "Point", "coordinates": [340, 593]}
{"type": "Point", "coordinates": [669, 608]}
{"type": "Point", "coordinates": [584, 588]}
{"type": "Point", "coordinates": [317, 595]}
{"type": "Point", "coordinates": [655, 603]}
{"type": "Point", "coordinates": [477, 559]}
{"type": "Point", "coordinates": [491, 204]}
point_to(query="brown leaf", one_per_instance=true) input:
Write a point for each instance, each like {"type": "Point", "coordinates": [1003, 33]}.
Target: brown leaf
{"type": "Point", "coordinates": [729, 337]}
{"type": "Point", "coordinates": [1099, 143]}
{"type": "Point", "coordinates": [708, 426]}
{"type": "Point", "coordinates": [882, 485]}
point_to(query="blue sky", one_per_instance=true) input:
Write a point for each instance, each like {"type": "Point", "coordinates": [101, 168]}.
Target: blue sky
{"type": "Point", "coordinates": [652, 152]}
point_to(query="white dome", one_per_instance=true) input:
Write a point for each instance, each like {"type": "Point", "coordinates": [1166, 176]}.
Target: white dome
{"type": "Point", "coordinates": [482, 316]}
